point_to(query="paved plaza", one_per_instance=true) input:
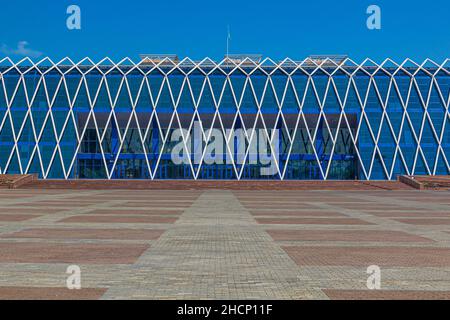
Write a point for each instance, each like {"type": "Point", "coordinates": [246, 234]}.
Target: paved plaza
{"type": "Point", "coordinates": [224, 244]}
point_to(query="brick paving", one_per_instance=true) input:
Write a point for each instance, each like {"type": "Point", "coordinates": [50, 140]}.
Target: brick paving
{"type": "Point", "coordinates": [49, 293]}
{"type": "Point", "coordinates": [133, 211]}
{"type": "Point", "coordinates": [87, 253]}
{"type": "Point", "coordinates": [225, 244]}
{"type": "Point", "coordinates": [295, 213]}
{"type": "Point", "coordinates": [344, 235]}
{"type": "Point", "coordinates": [118, 219]}
{"type": "Point", "coordinates": [16, 217]}
{"type": "Point", "coordinates": [385, 294]}
{"type": "Point", "coordinates": [326, 221]}
{"type": "Point", "coordinates": [431, 221]}
{"type": "Point", "coordinates": [71, 233]}
{"type": "Point", "coordinates": [177, 185]}
{"type": "Point", "coordinates": [367, 256]}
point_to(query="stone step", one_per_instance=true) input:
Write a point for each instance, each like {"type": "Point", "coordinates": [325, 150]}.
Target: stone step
{"type": "Point", "coordinates": [13, 181]}
{"type": "Point", "coordinates": [434, 182]}
{"type": "Point", "coordinates": [426, 182]}
{"type": "Point", "coordinates": [216, 184]}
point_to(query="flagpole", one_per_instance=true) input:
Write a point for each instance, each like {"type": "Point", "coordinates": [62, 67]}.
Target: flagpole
{"type": "Point", "coordinates": [228, 40]}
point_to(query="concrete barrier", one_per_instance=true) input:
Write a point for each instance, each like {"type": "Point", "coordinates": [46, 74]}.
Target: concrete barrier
{"type": "Point", "coordinates": [22, 180]}
{"type": "Point", "coordinates": [410, 181]}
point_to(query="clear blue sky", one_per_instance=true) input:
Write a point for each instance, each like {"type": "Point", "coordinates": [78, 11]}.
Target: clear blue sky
{"type": "Point", "coordinates": [275, 28]}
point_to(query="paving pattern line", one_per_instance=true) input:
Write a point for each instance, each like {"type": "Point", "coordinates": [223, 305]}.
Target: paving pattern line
{"type": "Point", "coordinates": [216, 250]}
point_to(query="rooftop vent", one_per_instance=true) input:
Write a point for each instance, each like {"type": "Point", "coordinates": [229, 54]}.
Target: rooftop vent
{"type": "Point", "coordinates": [238, 58]}
{"type": "Point", "coordinates": [157, 58]}
{"type": "Point", "coordinates": [319, 59]}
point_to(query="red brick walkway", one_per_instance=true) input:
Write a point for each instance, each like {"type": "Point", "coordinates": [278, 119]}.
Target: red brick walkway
{"type": "Point", "coordinates": [221, 244]}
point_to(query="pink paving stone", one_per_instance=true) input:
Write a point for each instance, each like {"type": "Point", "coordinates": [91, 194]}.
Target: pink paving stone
{"type": "Point", "coordinates": [266, 200]}
{"type": "Point", "coordinates": [296, 195]}
{"type": "Point", "coordinates": [29, 210]}
{"type": "Point", "coordinates": [345, 235]}
{"type": "Point", "coordinates": [51, 205]}
{"type": "Point", "coordinates": [386, 295]}
{"type": "Point", "coordinates": [326, 221]}
{"type": "Point", "coordinates": [167, 195]}
{"type": "Point", "coordinates": [168, 204]}
{"type": "Point", "coordinates": [15, 196]}
{"type": "Point", "coordinates": [17, 217]}
{"type": "Point", "coordinates": [118, 219]}
{"type": "Point", "coordinates": [78, 233]}
{"type": "Point", "coordinates": [67, 201]}
{"type": "Point", "coordinates": [427, 200]}
{"type": "Point", "coordinates": [137, 212]}
{"type": "Point", "coordinates": [48, 293]}
{"type": "Point", "coordinates": [277, 206]}
{"type": "Point", "coordinates": [87, 253]}
{"type": "Point", "coordinates": [375, 206]}
{"type": "Point", "coordinates": [274, 202]}
{"type": "Point", "coordinates": [366, 256]}
{"type": "Point", "coordinates": [269, 199]}
{"type": "Point", "coordinates": [428, 222]}
{"type": "Point", "coordinates": [348, 202]}
{"type": "Point", "coordinates": [412, 214]}
{"type": "Point", "coordinates": [122, 197]}
{"type": "Point", "coordinates": [295, 213]}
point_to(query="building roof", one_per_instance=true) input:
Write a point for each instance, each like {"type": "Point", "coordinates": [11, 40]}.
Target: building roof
{"type": "Point", "coordinates": [247, 64]}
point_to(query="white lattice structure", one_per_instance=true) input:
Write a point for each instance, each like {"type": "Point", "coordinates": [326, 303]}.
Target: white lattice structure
{"type": "Point", "coordinates": [393, 118]}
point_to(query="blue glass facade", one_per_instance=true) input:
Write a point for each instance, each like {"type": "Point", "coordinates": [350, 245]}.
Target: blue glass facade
{"type": "Point", "coordinates": [116, 121]}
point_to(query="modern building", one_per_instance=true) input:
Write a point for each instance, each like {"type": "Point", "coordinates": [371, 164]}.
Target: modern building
{"type": "Point", "coordinates": [323, 117]}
